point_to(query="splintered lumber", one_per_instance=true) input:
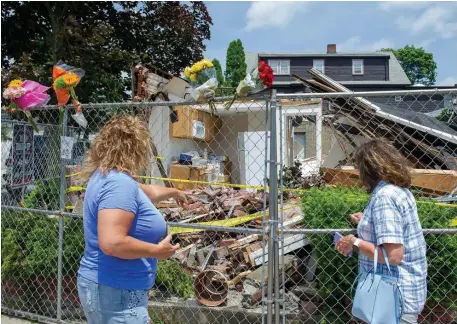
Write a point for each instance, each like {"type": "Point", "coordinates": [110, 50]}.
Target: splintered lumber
{"type": "Point", "coordinates": [244, 241]}
{"type": "Point", "coordinates": [431, 182]}
{"type": "Point", "coordinates": [182, 254]}
{"type": "Point", "coordinates": [253, 282]}
{"type": "Point", "coordinates": [238, 278]}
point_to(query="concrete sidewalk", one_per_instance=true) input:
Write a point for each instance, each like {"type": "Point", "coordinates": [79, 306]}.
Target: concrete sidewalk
{"type": "Point", "coordinates": [13, 320]}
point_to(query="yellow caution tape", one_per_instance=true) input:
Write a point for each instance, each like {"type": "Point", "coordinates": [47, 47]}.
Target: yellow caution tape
{"type": "Point", "coordinates": [72, 175]}
{"type": "Point", "coordinates": [75, 189]}
{"type": "Point", "coordinates": [231, 222]}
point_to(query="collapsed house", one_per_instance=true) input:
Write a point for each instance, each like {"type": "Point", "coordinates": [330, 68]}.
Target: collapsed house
{"type": "Point", "coordinates": [424, 140]}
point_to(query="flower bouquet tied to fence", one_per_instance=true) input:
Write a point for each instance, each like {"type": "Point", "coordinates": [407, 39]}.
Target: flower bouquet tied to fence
{"type": "Point", "coordinates": [260, 78]}
{"type": "Point", "coordinates": [24, 96]}
{"type": "Point", "coordinates": [202, 78]}
{"type": "Point", "coordinates": [66, 78]}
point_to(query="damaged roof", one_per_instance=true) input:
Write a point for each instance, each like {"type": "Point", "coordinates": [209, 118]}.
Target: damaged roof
{"type": "Point", "coordinates": [424, 140]}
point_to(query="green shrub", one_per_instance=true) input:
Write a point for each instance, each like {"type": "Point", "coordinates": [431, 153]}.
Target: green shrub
{"type": "Point", "coordinates": [330, 208]}
{"type": "Point", "coordinates": [171, 275]}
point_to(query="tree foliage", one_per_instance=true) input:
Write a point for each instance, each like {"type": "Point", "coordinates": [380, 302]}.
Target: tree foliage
{"type": "Point", "coordinates": [103, 38]}
{"type": "Point", "coordinates": [419, 65]}
{"type": "Point", "coordinates": [219, 74]}
{"type": "Point", "coordinates": [235, 70]}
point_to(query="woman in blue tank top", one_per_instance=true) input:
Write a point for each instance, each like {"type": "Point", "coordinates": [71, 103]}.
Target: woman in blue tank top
{"type": "Point", "coordinates": [124, 233]}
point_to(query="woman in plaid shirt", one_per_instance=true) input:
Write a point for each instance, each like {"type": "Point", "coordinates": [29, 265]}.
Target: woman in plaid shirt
{"type": "Point", "coordinates": [390, 219]}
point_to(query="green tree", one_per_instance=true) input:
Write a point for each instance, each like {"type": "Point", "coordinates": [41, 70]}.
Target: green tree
{"type": "Point", "coordinates": [235, 69]}
{"type": "Point", "coordinates": [419, 65]}
{"type": "Point", "coordinates": [220, 75]}
{"type": "Point", "coordinates": [103, 38]}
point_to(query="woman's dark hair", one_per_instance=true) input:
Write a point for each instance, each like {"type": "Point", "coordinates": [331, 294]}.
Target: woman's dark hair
{"type": "Point", "coordinates": [379, 160]}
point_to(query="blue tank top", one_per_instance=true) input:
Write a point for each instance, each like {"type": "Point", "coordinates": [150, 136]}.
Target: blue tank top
{"type": "Point", "coordinates": [117, 190]}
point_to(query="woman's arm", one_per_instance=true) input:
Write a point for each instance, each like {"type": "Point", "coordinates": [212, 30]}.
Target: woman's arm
{"type": "Point", "coordinates": [395, 252]}
{"type": "Point", "coordinates": [388, 225]}
{"type": "Point", "coordinates": [158, 193]}
{"type": "Point", "coordinates": [113, 238]}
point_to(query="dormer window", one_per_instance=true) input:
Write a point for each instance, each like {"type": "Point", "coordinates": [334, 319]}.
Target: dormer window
{"type": "Point", "coordinates": [280, 67]}
{"type": "Point", "coordinates": [319, 65]}
{"type": "Point", "coordinates": [357, 67]}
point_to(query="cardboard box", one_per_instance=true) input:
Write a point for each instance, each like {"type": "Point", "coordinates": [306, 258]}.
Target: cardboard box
{"type": "Point", "coordinates": [181, 172]}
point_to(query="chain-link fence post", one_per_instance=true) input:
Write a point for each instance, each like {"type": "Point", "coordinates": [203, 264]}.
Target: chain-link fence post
{"type": "Point", "coordinates": [61, 220]}
{"type": "Point", "coordinates": [281, 206]}
{"type": "Point", "coordinates": [265, 201]}
{"type": "Point", "coordinates": [273, 248]}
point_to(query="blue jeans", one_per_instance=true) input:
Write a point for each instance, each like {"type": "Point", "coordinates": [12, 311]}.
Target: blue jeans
{"type": "Point", "coordinates": [108, 305]}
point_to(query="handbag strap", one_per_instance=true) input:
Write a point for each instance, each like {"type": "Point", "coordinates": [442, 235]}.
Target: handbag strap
{"type": "Point", "coordinates": [375, 258]}
{"type": "Point", "coordinates": [386, 259]}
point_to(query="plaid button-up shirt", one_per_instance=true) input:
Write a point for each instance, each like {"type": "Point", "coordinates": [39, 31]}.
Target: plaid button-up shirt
{"type": "Point", "coordinates": [391, 217]}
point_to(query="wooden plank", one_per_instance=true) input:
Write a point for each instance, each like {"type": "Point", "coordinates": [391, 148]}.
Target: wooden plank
{"type": "Point", "coordinates": [245, 240]}
{"type": "Point", "coordinates": [435, 182]}
{"type": "Point", "coordinates": [291, 243]}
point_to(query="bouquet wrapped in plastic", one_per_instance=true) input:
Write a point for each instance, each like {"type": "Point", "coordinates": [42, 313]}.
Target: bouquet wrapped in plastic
{"type": "Point", "coordinates": [66, 78]}
{"type": "Point", "coordinates": [202, 77]}
{"type": "Point", "coordinates": [26, 95]}
{"type": "Point", "coordinates": [260, 78]}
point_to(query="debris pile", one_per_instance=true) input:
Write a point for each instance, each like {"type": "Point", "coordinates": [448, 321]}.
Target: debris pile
{"type": "Point", "coordinates": [216, 204]}
{"type": "Point", "coordinates": [222, 262]}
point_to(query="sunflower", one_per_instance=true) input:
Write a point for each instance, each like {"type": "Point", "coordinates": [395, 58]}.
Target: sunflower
{"type": "Point", "coordinates": [71, 79]}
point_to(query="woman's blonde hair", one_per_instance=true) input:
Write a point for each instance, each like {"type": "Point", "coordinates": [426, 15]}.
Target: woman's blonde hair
{"type": "Point", "coordinates": [379, 160]}
{"type": "Point", "coordinates": [124, 144]}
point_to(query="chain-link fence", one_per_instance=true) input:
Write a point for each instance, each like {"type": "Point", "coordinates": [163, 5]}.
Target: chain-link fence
{"type": "Point", "coordinates": [255, 247]}
{"type": "Point", "coordinates": [317, 141]}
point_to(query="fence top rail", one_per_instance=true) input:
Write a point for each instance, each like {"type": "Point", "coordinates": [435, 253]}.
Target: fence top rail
{"type": "Point", "coordinates": [144, 104]}
{"type": "Point", "coordinates": [365, 93]}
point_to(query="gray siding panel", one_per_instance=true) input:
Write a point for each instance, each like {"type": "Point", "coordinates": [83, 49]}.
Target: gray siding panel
{"type": "Point", "coordinates": [339, 68]}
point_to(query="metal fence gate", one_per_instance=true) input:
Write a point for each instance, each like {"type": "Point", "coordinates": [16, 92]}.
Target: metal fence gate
{"type": "Point", "coordinates": [256, 239]}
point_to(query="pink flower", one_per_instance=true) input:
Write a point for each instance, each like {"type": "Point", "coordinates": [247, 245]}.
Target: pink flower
{"type": "Point", "coordinates": [29, 95]}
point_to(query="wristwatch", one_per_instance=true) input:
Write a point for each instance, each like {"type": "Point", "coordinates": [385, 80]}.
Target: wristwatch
{"type": "Point", "coordinates": [357, 242]}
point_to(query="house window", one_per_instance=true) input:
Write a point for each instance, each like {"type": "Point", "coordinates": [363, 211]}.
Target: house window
{"type": "Point", "coordinates": [280, 67]}
{"type": "Point", "coordinates": [357, 67]}
{"type": "Point", "coordinates": [299, 146]}
{"type": "Point", "coordinates": [319, 65]}
{"type": "Point", "coordinates": [398, 98]}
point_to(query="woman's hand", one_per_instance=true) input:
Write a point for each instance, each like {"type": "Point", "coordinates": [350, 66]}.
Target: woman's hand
{"type": "Point", "coordinates": [180, 197]}
{"type": "Point", "coordinates": [165, 249]}
{"type": "Point", "coordinates": [355, 218]}
{"type": "Point", "coordinates": [345, 244]}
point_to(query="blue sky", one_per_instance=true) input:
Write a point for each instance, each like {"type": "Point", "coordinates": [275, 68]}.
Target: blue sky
{"type": "Point", "coordinates": [353, 26]}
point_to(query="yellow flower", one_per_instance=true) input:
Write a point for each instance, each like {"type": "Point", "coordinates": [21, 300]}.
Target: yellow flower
{"type": "Point", "coordinates": [70, 79]}
{"type": "Point", "coordinates": [15, 83]}
{"type": "Point", "coordinates": [193, 77]}
{"type": "Point", "coordinates": [187, 72]}
{"type": "Point", "coordinates": [198, 67]}
{"type": "Point", "coordinates": [195, 68]}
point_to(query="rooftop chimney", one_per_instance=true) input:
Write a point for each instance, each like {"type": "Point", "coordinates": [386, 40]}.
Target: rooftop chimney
{"type": "Point", "coordinates": [331, 48]}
